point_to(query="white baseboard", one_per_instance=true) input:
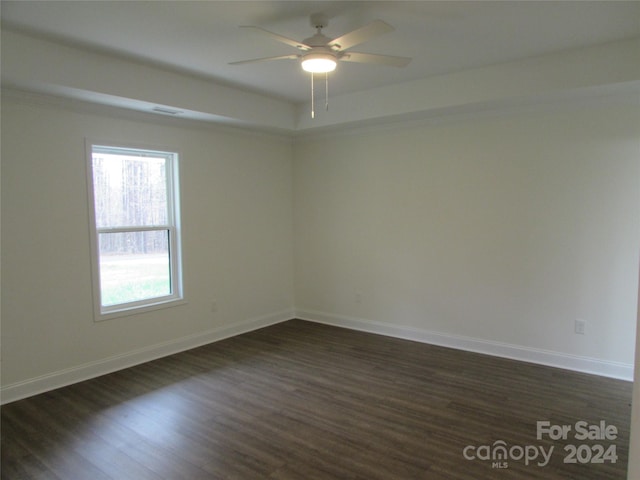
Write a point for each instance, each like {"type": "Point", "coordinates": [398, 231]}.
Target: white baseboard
{"type": "Point", "coordinates": [622, 371]}
{"type": "Point", "coordinates": [61, 378]}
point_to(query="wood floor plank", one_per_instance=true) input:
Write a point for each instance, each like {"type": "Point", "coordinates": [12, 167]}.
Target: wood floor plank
{"type": "Point", "coordinates": [300, 400]}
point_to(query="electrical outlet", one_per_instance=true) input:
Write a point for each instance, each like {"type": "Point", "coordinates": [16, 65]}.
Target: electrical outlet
{"type": "Point", "coordinates": [579, 327]}
{"type": "Point", "coordinates": [358, 297]}
{"type": "Point", "coordinates": [214, 306]}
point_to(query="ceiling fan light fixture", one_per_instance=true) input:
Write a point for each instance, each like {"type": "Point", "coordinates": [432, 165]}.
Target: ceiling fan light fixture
{"type": "Point", "coordinates": [319, 62]}
{"type": "Point", "coordinates": [320, 54]}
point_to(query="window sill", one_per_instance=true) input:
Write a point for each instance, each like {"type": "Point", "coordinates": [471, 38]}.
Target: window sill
{"type": "Point", "coordinates": [136, 310]}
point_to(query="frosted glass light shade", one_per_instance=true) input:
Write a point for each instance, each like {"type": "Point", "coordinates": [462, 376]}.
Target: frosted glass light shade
{"type": "Point", "coordinates": [318, 63]}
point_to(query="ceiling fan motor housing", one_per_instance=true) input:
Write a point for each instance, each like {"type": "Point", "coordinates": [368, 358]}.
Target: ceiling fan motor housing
{"type": "Point", "coordinates": [318, 40]}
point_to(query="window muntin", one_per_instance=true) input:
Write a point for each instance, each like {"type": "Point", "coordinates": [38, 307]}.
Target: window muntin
{"type": "Point", "coordinates": [136, 229]}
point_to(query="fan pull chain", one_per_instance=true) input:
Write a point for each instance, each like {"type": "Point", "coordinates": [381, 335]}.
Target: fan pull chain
{"type": "Point", "coordinates": [313, 94]}
{"type": "Point", "coordinates": [313, 101]}
{"type": "Point", "coordinates": [326, 91]}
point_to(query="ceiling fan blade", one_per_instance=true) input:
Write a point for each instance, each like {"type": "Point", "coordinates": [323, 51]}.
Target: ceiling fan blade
{"type": "Point", "coordinates": [266, 59]}
{"type": "Point", "coordinates": [376, 59]}
{"type": "Point", "coordinates": [279, 38]}
{"type": "Point", "coordinates": [361, 35]}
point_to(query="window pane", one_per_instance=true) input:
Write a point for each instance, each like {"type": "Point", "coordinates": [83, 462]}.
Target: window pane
{"type": "Point", "coordinates": [129, 190]}
{"type": "Point", "coordinates": [134, 266]}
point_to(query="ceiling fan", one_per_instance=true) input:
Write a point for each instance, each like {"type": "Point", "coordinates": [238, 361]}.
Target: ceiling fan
{"type": "Point", "coordinates": [321, 54]}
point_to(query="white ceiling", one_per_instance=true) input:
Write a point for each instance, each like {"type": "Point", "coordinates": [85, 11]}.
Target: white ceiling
{"type": "Point", "coordinates": [442, 37]}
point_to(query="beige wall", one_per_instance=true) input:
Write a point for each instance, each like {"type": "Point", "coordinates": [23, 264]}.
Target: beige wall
{"type": "Point", "coordinates": [502, 230]}
{"type": "Point", "coordinates": [236, 194]}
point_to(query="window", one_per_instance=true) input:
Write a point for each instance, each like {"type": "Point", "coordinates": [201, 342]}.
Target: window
{"type": "Point", "coordinates": [136, 235]}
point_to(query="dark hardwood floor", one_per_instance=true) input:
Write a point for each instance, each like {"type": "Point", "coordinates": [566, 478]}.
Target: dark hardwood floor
{"type": "Point", "coordinates": [302, 401]}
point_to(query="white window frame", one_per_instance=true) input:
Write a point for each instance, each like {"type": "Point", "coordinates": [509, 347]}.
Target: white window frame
{"type": "Point", "coordinates": [172, 226]}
